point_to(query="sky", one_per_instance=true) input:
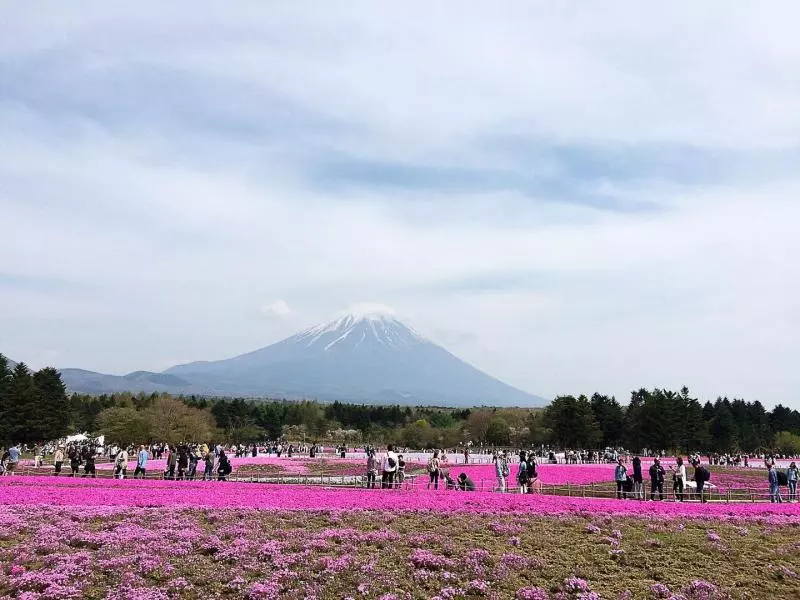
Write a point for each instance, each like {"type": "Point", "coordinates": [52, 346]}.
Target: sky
{"type": "Point", "coordinates": [573, 197]}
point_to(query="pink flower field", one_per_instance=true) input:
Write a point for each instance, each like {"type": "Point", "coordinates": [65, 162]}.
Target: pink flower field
{"type": "Point", "coordinates": [138, 540]}
{"type": "Point", "coordinates": [63, 537]}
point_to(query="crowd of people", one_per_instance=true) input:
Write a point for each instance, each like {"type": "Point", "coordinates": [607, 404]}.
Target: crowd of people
{"type": "Point", "coordinates": [387, 469]}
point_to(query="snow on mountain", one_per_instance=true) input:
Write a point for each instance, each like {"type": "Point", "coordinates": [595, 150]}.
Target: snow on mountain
{"type": "Point", "coordinates": [366, 356]}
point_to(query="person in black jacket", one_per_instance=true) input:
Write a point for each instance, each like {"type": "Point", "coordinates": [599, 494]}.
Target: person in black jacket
{"type": "Point", "coordinates": [701, 476]}
{"type": "Point", "coordinates": [638, 481]}
{"type": "Point", "coordinates": [224, 469]}
{"type": "Point", "coordinates": [657, 474]}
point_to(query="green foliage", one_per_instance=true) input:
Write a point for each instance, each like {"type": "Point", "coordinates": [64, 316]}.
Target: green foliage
{"type": "Point", "coordinates": [572, 422]}
{"type": "Point", "coordinates": [787, 443]}
{"type": "Point", "coordinates": [498, 433]}
{"type": "Point", "coordinates": [33, 406]}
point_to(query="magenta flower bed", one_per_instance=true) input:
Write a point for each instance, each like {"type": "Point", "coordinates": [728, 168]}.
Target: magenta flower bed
{"type": "Point", "coordinates": [143, 493]}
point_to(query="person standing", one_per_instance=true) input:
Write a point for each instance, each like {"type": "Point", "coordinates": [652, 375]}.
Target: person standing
{"type": "Point", "coordinates": [678, 479]}
{"type": "Point", "coordinates": [774, 484]}
{"type": "Point", "coordinates": [121, 468]}
{"type": "Point", "coordinates": [433, 470]}
{"type": "Point", "coordinates": [89, 468]}
{"type": "Point", "coordinates": [389, 467]}
{"type": "Point", "coordinates": [74, 460]}
{"type": "Point", "coordinates": [657, 480]}
{"type": "Point", "coordinates": [792, 476]}
{"type": "Point", "coordinates": [621, 478]}
{"type": "Point", "coordinates": [522, 474]}
{"type": "Point", "coordinates": [224, 468]}
{"type": "Point", "coordinates": [638, 480]}
{"type": "Point", "coordinates": [208, 466]}
{"type": "Point", "coordinates": [194, 458]}
{"type": "Point", "coordinates": [172, 462]}
{"type": "Point", "coordinates": [701, 476]}
{"type": "Point", "coordinates": [13, 460]}
{"type": "Point", "coordinates": [501, 471]}
{"type": "Point", "coordinates": [372, 469]}
{"type": "Point", "coordinates": [400, 477]}
{"type": "Point", "coordinates": [58, 460]}
{"type": "Point", "coordinates": [141, 463]}
{"type": "Point", "coordinates": [183, 461]}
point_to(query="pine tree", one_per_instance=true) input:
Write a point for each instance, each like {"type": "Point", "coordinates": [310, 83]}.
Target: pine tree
{"type": "Point", "coordinates": [22, 413]}
{"type": "Point", "coordinates": [5, 400]}
{"type": "Point", "coordinates": [52, 405]}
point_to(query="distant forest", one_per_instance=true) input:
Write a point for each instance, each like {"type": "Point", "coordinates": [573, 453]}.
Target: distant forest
{"type": "Point", "coordinates": [35, 407]}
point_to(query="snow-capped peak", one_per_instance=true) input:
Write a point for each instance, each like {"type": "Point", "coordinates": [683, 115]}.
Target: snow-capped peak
{"type": "Point", "coordinates": [370, 311]}
{"type": "Point", "coordinates": [358, 328]}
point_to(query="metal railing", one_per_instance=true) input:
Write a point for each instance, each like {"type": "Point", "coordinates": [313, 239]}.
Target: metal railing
{"type": "Point", "coordinates": [415, 482]}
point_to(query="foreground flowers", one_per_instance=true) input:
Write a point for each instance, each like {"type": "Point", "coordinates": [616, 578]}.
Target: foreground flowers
{"type": "Point", "coordinates": [133, 553]}
{"type": "Point", "coordinates": [146, 493]}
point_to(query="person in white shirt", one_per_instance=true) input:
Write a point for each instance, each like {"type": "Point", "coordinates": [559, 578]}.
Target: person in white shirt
{"type": "Point", "coordinates": [389, 467]}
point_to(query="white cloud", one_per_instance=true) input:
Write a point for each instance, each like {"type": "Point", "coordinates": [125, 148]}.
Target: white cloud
{"type": "Point", "coordinates": [278, 309]}
{"type": "Point", "coordinates": [157, 174]}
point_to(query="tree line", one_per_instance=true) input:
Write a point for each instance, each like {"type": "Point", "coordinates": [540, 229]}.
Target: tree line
{"type": "Point", "coordinates": [35, 407]}
{"type": "Point", "coordinates": [663, 419]}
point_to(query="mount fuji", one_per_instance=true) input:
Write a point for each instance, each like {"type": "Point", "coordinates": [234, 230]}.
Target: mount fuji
{"type": "Point", "coordinates": [369, 357]}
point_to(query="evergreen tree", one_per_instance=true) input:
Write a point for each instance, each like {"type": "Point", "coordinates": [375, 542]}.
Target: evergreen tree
{"type": "Point", "coordinates": [51, 404]}
{"type": "Point", "coordinates": [610, 418]}
{"type": "Point", "coordinates": [22, 414]}
{"type": "Point", "coordinates": [5, 400]}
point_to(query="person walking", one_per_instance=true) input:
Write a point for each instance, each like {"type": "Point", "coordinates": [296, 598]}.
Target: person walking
{"type": "Point", "coordinates": [372, 470]}
{"type": "Point", "coordinates": [141, 463]}
{"type": "Point", "coordinates": [433, 470]}
{"type": "Point", "coordinates": [774, 484]}
{"type": "Point", "coordinates": [621, 478]}
{"type": "Point", "coordinates": [792, 476]}
{"type": "Point", "coordinates": [638, 480]}
{"type": "Point", "coordinates": [657, 480]}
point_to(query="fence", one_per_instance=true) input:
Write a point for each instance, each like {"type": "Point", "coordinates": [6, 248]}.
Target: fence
{"type": "Point", "coordinates": [419, 483]}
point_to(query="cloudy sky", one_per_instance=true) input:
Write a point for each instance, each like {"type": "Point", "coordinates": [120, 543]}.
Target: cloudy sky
{"type": "Point", "coordinates": [576, 197]}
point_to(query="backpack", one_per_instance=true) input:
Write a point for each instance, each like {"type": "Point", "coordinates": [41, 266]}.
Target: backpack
{"type": "Point", "coordinates": [391, 462]}
{"type": "Point", "coordinates": [783, 478]}
{"type": "Point", "coordinates": [505, 470]}
{"type": "Point", "coordinates": [431, 465]}
{"type": "Point", "coordinates": [702, 474]}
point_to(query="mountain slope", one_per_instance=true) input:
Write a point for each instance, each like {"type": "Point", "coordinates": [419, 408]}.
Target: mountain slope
{"type": "Point", "coordinates": [365, 358]}
{"type": "Point", "coordinates": [90, 382]}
